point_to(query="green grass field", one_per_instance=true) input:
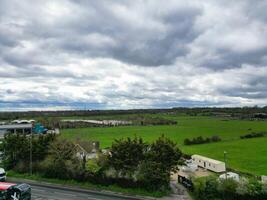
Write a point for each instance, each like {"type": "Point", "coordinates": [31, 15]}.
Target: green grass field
{"type": "Point", "coordinates": [244, 155]}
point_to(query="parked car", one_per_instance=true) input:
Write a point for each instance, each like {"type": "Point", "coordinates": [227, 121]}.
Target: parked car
{"type": "Point", "coordinates": [2, 174]}
{"type": "Point", "coordinates": [12, 191]}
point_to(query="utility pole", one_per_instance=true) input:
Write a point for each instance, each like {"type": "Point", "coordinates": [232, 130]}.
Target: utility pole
{"type": "Point", "coordinates": [31, 153]}
{"type": "Point", "coordinates": [225, 160]}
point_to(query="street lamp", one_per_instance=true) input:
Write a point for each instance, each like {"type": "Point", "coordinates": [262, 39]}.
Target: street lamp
{"type": "Point", "coordinates": [31, 153]}
{"type": "Point", "coordinates": [225, 160]}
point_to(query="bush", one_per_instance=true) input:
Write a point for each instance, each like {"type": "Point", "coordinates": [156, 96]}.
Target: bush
{"type": "Point", "coordinates": [201, 140]}
{"type": "Point", "coordinates": [205, 188]}
{"type": "Point", "coordinates": [92, 166]}
{"type": "Point", "coordinates": [62, 161]}
{"type": "Point", "coordinates": [215, 138]}
{"type": "Point", "coordinates": [254, 135]}
{"type": "Point", "coordinates": [227, 189]}
{"type": "Point", "coordinates": [210, 188]}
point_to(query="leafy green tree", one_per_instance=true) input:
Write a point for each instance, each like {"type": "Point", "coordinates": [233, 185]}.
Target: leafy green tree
{"type": "Point", "coordinates": [126, 155]}
{"type": "Point", "coordinates": [153, 176]}
{"type": "Point", "coordinates": [40, 146]}
{"type": "Point", "coordinates": [16, 149]}
{"type": "Point", "coordinates": [161, 159]}
{"type": "Point", "coordinates": [165, 152]}
{"type": "Point", "coordinates": [62, 157]}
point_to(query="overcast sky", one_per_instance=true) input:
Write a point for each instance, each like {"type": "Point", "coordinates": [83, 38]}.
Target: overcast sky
{"type": "Point", "coordinates": [67, 54]}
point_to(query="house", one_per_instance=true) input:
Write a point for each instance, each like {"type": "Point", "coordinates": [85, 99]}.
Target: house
{"type": "Point", "coordinates": [87, 149]}
{"type": "Point", "coordinates": [208, 163]}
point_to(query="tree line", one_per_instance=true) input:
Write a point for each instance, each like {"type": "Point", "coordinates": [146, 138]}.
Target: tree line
{"type": "Point", "coordinates": [201, 140]}
{"type": "Point", "coordinates": [236, 112]}
{"type": "Point", "coordinates": [254, 135]}
{"type": "Point", "coordinates": [129, 163]}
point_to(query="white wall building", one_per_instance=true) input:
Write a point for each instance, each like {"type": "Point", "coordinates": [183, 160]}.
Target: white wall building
{"type": "Point", "coordinates": [208, 163]}
{"type": "Point", "coordinates": [230, 175]}
{"type": "Point", "coordinates": [264, 179]}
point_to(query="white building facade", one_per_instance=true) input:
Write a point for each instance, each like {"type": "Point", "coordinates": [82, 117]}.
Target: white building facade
{"type": "Point", "coordinates": [208, 163]}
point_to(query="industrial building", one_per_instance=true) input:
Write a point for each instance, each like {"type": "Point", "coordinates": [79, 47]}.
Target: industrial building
{"type": "Point", "coordinates": [22, 126]}
{"type": "Point", "coordinates": [15, 128]}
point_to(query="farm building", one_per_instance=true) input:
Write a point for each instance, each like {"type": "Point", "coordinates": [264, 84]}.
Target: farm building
{"type": "Point", "coordinates": [208, 163]}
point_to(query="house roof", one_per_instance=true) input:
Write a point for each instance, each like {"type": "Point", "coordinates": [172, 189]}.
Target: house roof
{"type": "Point", "coordinates": [15, 126]}
{"type": "Point", "coordinates": [85, 146]}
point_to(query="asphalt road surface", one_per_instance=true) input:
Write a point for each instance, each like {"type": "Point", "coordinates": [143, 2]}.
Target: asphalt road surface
{"type": "Point", "coordinates": [45, 193]}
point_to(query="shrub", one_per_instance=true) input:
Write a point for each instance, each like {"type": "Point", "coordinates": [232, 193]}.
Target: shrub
{"type": "Point", "coordinates": [92, 166]}
{"type": "Point", "coordinates": [254, 135]}
{"type": "Point", "coordinates": [205, 188]}
{"type": "Point", "coordinates": [201, 140]}
{"type": "Point", "coordinates": [209, 188]}
{"type": "Point", "coordinates": [215, 138]}
{"type": "Point", "coordinates": [227, 189]}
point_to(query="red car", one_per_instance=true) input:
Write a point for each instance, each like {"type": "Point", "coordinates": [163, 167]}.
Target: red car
{"type": "Point", "coordinates": [12, 191]}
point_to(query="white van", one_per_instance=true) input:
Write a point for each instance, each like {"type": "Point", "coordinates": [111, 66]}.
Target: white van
{"type": "Point", "coordinates": [2, 175]}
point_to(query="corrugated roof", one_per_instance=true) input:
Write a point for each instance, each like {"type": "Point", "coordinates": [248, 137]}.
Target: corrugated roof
{"type": "Point", "coordinates": [207, 159]}
{"type": "Point", "coordinates": [15, 126]}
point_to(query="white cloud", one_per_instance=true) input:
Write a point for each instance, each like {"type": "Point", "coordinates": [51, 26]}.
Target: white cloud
{"type": "Point", "coordinates": [132, 54]}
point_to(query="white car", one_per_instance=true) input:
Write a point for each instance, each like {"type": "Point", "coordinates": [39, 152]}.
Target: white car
{"type": "Point", "coordinates": [2, 175]}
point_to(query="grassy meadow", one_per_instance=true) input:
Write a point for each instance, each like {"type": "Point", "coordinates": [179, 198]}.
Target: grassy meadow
{"type": "Point", "coordinates": [249, 155]}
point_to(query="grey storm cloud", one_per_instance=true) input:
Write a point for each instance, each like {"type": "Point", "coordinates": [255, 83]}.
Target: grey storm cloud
{"type": "Point", "coordinates": [129, 54]}
{"type": "Point", "coordinates": [103, 29]}
{"type": "Point", "coordinates": [137, 32]}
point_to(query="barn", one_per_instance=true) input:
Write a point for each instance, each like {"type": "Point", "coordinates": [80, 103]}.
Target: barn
{"type": "Point", "coordinates": [208, 163]}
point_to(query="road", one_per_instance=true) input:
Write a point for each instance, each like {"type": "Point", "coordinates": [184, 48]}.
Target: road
{"type": "Point", "coordinates": [46, 193]}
